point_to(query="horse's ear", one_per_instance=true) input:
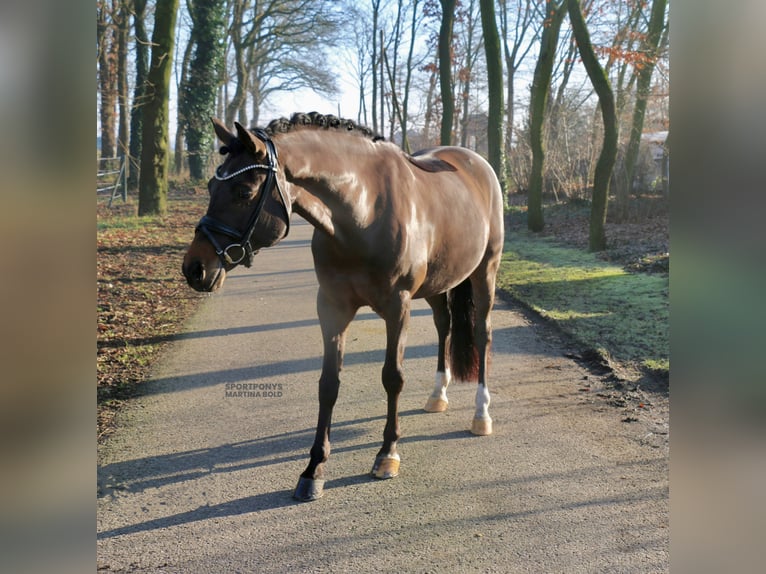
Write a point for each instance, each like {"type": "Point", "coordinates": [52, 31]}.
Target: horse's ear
{"type": "Point", "coordinates": [222, 131]}
{"type": "Point", "coordinates": [252, 143]}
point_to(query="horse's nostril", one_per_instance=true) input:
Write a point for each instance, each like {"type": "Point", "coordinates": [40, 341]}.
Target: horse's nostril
{"type": "Point", "coordinates": [195, 272]}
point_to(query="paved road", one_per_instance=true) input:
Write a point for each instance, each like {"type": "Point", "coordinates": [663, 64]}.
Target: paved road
{"type": "Point", "coordinates": [199, 479]}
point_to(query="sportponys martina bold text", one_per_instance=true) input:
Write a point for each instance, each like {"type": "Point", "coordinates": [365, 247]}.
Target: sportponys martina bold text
{"type": "Point", "coordinates": [253, 390]}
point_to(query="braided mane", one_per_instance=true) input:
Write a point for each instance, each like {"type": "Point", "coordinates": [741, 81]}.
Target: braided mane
{"type": "Point", "coordinates": [316, 120]}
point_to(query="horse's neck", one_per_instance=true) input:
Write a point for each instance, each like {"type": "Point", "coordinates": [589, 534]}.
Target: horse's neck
{"type": "Point", "coordinates": [329, 190]}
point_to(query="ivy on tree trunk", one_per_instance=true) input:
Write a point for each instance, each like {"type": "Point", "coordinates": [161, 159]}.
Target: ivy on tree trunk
{"type": "Point", "coordinates": [199, 91]}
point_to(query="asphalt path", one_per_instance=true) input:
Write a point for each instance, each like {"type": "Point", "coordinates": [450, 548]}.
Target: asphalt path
{"type": "Point", "coordinates": [200, 474]}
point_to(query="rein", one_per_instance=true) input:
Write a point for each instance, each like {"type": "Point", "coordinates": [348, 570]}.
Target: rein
{"type": "Point", "coordinates": [235, 253]}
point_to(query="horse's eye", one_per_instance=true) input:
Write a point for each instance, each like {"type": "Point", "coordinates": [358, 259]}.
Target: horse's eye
{"type": "Point", "coordinates": [243, 192]}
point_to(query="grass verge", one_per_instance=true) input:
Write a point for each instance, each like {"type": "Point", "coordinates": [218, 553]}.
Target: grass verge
{"type": "Point", "coordinates": [622, 316]}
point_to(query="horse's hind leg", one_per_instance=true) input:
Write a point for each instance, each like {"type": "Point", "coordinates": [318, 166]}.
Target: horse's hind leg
{"type": "Point", "coordinates": [438, 401]}
{"type": "Point", "coordinates": [484, 295]}
{"type": "Point", "coordinates": [397, 316]}
{"type": "Point", "coordinates": [334, 320]}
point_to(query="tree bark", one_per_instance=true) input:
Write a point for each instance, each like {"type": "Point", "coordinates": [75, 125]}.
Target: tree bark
{"type": "Point", "coordinates": [374, 64]}
{"type": "Point", "coordinates": [643, 85]}
{"type": "Point", "coordinates": [123, 30]}
{"type": "Point", "coordinates": [107, 81]}
{"type": "Point", "coordinates": [153, 181]}
{"type": "Point", "coordinates": [541, 83]}
{"type": "Point", "coordinates": [605, 164]}
{"type": "Point", "coordinates": [240, 66]}
{"type": "Point", "coordinates": [181, 124]}
{"type": "Point", "coordinates": [445, 70]}
{"type": "Point", "coordinates": [408, 77]}
{"type": "Point", "coordinates": [514, 55]}
{"type": "Point", "coordinates": [466, 75]}
{"type": "Point", "coordinates": [495, 87]}
{"type": "Point", "coordinates": [142, 69]}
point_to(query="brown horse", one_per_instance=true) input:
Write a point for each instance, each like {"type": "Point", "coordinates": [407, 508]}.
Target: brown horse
{"type": "Point", "coordinates": [389, 227]}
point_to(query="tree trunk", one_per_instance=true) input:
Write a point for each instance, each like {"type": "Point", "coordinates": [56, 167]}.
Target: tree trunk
{"type": "Point", "coordinates": [495, 87]}
{"type": "Point", "coordinates": [107, 81]}
{"type": "Point", "coordinates": [181, 123]}
{"type": "Point", "coordinates": [445, 70]}
{"type": "Point", "coordinates": [408, 78]}
{"type": "Point", "coordinates": [605, 164]}
{"type": "Point", "coordinates": [429, 113]}
{"type": "Point", "coordinates": [466, 76]}
{"type": "Point", "coordinates": [123, 31]}
{"type": "Point", "coordinates": [509, 116]}
{"type": "Point", "coordinates": [374, 64]}
{"type": "Point", "coordinates": [198, 95]}
{"type": "Point", "coordinates": [153, 181]}
{"type": "Point", "coordinates": [643, 85]}
{"type": "Point", "coordinates": [142, 66]}
{"type": "Point", "coordinates": [541, 83]}
{"type": "Point", "coordinates": [240, 67]}
{"type": "Point", "coordinates": [396, 106]}
{"type": "Point", "coordinates": [382, 85]}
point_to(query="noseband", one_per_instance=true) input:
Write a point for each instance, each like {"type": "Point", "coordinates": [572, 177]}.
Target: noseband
{"type": "Point", "coordinates": [235, 253]}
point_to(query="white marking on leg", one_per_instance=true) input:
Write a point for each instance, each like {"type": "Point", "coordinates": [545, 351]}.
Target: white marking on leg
{"type": "Point", "coordinates": [442, 382]}
{"type": "Point", "coordinates": [438, 400]}
{"type": "Point", "coordinates": [482, 402]}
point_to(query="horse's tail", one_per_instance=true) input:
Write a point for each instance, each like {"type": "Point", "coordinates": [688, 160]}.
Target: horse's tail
{"type": "Point", "coordinates": [463, 354]}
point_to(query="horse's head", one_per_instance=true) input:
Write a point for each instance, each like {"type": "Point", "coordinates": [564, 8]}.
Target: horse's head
{"type": "Point", "coordinates": [248, 210]}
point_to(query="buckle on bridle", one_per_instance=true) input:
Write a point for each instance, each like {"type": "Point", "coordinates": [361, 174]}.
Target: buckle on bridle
{"type": "Point", "coordinates": [245, 251]}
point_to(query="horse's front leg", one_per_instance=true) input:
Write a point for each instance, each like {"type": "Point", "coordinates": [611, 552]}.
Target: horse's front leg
{"type": "Point", "coordinates": [334, 320]}
{"type": "Point", "coordinates": [397, 317]}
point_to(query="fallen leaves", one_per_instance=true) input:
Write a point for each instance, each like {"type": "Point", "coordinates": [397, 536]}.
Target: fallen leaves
{"type": "Point", "coordinates": [142, 297]}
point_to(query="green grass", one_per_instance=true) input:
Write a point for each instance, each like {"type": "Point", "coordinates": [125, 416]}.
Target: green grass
{"type": "Point", "coordinates": [623, 316]}
{"type": "Point", "coordinates": [127, 223]}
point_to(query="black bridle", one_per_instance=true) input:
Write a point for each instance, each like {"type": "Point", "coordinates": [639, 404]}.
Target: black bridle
{"type": "Point", "coordinates": [235, 253]}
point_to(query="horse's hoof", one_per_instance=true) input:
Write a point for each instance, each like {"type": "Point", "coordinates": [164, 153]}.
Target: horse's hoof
{"type": "Point", "coordinates": [481, 427]}
{"type": "Point", "coordinates": [386, 467]}
{"type": "Point", "coordinates": [435, 405]}
{"type": "Point", "coordinates": [309, 489]}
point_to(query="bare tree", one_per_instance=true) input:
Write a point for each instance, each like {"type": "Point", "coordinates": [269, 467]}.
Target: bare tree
{"type": "Point", "coordinates": [412, 64]}
{"type": "Point", "coordinates": [600, 81]}
{"type": "Point", "coordinates": [375, 64]}
{"type": "Point", "coordinates": [142, 69]}
{"type": "Point", "coordinates": [650, 51]}
{"type": "Point", "coordinates": [445, 70]}
{"type": "Point", "coordinates": [182, 75]}
{"type": "Point", "coordinates": [554, 15]}
{"type": "Point", "coordinates": [107, 74]}
{"type": "Point", "coordinates": [467, 47]}
{"type": "Point", "coordinates": [123, 95]}
{"type": "Point", "coordinates": [495, 80]}
{"type": "Point", "coordinates": [240, 38]}
{"type": "Point", "coordinates": [280, 46]}
{"type": "Point", "coordinates": [521, 29]}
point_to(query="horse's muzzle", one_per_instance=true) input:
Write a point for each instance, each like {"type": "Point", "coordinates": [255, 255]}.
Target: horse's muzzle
{"type": "Point", "coordinates": [201, 279]}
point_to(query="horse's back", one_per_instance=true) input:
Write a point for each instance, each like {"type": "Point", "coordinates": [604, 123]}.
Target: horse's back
{"type": "Point", "coordinates": [470, 183]}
